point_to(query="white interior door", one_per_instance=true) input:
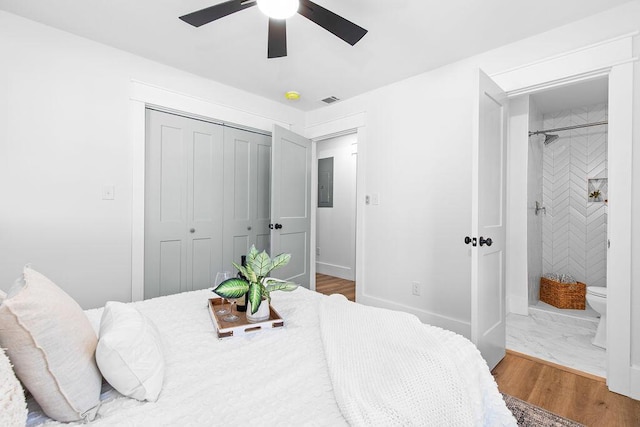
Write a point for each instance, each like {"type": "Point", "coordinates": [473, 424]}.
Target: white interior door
{"type": "Point", "coordinates": [488, 221]}
{"type": "Point", "coordinates": [291, 204]}
{"type": "Point", "coordinates": [183, 222]}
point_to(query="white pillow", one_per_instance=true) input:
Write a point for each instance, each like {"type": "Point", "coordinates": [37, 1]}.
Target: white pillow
{"type": "Point", "coordinates": [13, 408]}
{"type": "Point", "coordinates": [51, 344]}
{"type": "Point", "coordinates": [129, 352]}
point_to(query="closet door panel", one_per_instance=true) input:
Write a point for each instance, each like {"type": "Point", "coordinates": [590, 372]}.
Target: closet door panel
{"type": "Point", "coordinates": [183, 194]}
{"type": "Point", "coordinates": [247, 193]}
{"type": "Point", "coordinates": [205, 184]}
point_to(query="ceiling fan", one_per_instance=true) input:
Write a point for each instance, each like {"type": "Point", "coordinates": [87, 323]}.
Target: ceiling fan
{"type": "Point", "coordinates": [278, 11]}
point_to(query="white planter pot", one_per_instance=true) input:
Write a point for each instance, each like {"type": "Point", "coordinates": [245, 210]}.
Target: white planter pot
{"type": "Point", "coordinates": [259, 316]}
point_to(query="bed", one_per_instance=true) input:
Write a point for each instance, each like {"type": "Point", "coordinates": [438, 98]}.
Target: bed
{"type": "Point", "coordinates": [333, 363]}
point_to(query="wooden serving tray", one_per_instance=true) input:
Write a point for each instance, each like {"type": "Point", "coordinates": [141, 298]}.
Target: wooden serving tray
{"type": "Point", "coordinates": [241, 326]}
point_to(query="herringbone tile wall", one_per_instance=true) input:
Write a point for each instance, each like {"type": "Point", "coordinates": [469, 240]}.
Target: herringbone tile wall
{"type": "Point", "coordinates": [574, 230]}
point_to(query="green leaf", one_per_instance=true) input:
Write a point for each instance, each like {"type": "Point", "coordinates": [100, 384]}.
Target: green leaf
{"type": "Point", "coordinates": [232, 288]}
{"type": "Point", "coordinates": [265, 292]}
{"type": "Point", "coordinates": [278, 285]}
{"type": "Point", "coordinates": [255, 296]}
{"type": "Point", "coordinates": [253, 253]}
{"type": "Point", "coordinates": [280, 261]}
{"type": "Point", "coordinates": [251, 275]}
{"type": "Point", "coordinates": [261, 264]}
{"type": "Point", "coordinates": [242, 269]}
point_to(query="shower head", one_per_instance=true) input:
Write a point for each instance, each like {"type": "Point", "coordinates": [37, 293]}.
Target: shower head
{"type": "Point", "coordinates": [548, 139]}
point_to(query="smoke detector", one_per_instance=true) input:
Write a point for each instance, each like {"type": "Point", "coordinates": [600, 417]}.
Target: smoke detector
{"type": "Point", "coordinates": [292, 95]}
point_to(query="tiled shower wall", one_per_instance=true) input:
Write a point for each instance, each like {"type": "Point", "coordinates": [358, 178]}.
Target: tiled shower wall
{"type": "Point", "coordinates": [574, 229]}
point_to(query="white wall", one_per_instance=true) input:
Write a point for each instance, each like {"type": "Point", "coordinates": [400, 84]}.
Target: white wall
{"type": "Point", "coordinates": [518, 205]}
{"type": "Point", "coordinates": [336, 226]}
{"type": "Point", "coordinates": [418, 159]}
{"type": "Point", "coordinates": [65, 132]}
{"type": "Point", "coordinates": [534, 194]}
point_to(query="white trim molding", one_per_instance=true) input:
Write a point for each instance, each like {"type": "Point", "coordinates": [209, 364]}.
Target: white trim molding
{"type": "Point", "coordinates": [329, 129]}
{"type": "Point", "coordinates": [337, 127]}
{"type": "Point", "coordinates": [592, 59]}
{"type": "Point", "coordinates": [171, 100]}
{"type": "Point", "coordinates": [619, 231]}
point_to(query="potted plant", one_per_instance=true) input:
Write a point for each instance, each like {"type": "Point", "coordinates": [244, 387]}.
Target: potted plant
{"type": "Point", "coordinates": [595, 195]}
{"type": "Point", "coordinates": [257, 283]}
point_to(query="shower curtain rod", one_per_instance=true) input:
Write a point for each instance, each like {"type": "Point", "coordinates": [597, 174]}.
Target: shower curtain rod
{"type": "Point", "coordinates": [538, 132]}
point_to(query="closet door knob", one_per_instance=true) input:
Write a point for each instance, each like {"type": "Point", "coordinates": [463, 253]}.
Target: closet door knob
{"type": "Point", "coordinates": [486, 241]}
{"type": "Point", "coordinates": [471, 240]}
{"type": "Point", "coordinates": [193, 230]}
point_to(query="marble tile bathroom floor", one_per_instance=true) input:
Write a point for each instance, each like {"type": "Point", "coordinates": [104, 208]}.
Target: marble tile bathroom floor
{"type": "Point", "coordinates": [562, 337]}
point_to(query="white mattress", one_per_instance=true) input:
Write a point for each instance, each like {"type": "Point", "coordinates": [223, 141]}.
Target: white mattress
{"type": "Point", "coordinates": [267, 378]}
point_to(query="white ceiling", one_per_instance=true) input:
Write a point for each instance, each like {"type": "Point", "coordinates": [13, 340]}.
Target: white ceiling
{"type": "Point", "coordinates": [566, 97]}
{"type": "Point", "coordinates": [405, 38]}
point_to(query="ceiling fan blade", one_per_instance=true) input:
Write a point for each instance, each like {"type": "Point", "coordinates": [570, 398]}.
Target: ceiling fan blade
{"type": "Point", "coordinates": [336, 24]}
{"type": "Point", "coordinates": [277, 45]}
{"type": "Point", "coordinates": [209, 14]}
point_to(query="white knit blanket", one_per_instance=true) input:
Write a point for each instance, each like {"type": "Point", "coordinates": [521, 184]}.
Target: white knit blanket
{"type": "Point", "coordinates": [389, 369]}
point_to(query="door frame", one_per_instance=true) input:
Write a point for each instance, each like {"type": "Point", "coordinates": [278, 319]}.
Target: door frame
{"type": "Point", "coordinates": [355, 123]}
{"type": "Point", "coordinates": [141, 96]}
{"type": "Point", "coordinates": [612, 58]}
{"type": "Point", "coordinates": [314, 190]}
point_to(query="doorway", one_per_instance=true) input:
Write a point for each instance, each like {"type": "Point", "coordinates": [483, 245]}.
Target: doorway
{"type": "Point", "coordinates": [335, 248]}
{"type": "Point", "coordinates": [567, 221]}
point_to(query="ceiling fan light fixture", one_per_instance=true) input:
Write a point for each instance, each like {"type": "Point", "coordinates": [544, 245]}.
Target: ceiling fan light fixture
{"type": "Point", "coordinates": [278, 9]}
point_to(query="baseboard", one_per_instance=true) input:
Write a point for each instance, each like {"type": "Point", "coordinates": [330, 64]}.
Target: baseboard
{"type": "Point", "coordinates": [339, 271]}
{"type": "Point", "coordinates": [455, 325]}
{"type": "Point", "coordinates": [634, 391]}
{"type": "Point", "coordinates": [518, 305]}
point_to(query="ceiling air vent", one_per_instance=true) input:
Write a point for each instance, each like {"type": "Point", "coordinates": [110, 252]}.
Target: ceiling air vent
{"type": "Point", "coordinates": [330, 100]}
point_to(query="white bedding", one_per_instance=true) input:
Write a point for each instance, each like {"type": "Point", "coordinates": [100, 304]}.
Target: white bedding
{"type": "Point", "coordinates": [273, 377]}
{"type": "Point", "coordinates": [389, 369]}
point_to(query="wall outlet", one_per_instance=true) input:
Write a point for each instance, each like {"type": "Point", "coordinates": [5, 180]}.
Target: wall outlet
{"type": "Point", "coordinates": [415, 288]}
{"type": "Point", "coordinates": [108, 192]}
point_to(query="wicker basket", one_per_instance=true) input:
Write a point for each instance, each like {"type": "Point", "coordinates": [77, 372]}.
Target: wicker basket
{"type": "Point", "coordinates": [563, 295]}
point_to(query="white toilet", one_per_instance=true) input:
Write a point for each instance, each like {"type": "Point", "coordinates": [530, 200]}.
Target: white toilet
{"type": "Point", "coordinates": [597, 299]}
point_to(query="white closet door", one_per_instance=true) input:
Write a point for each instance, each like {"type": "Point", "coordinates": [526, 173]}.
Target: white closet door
{"type": "Point", "coordinates": [247, 178]}
{"type": "Point", "coordinates": [183, 204]}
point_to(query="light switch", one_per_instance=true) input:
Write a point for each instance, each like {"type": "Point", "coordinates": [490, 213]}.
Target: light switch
{"type": "Point", "coordinates": [108, 192]}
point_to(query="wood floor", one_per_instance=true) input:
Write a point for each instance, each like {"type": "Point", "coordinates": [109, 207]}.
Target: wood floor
{"type": "Point", "coordinates": [572, 394]}
{"type": "Point", "coordinates": [333, 285]}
